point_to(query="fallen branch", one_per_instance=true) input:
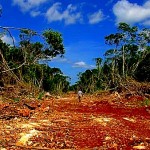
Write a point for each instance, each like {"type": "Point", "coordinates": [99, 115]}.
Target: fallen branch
{"type": "Point", "coordinates": [30, 147]}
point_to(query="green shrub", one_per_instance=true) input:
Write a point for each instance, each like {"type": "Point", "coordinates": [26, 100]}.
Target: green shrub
{"type": "Point", "coordinates": [146, 102]}
{"type": "Point", "coordinates": [41, 94]}
{"type": "Point", "coordinates": [16, 99]}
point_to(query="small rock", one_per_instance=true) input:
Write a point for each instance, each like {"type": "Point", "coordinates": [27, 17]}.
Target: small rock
{"type": "Point", "coordinates": [46, 109]}
{"type": "Point", "coordinates": [139, 147]}
{"type": "Point", "coordinates": [47, 95]}
{"type": "Point", "coordinates": [7, 132]}
{"type": "Point", "coordinates": [24, 112]}
{"type": "Point", "coordinates": [107, 138]}
{"type": "Point", "coordinates": [3, 149]}
{"type": "Point", "coordinates": [58, 97]}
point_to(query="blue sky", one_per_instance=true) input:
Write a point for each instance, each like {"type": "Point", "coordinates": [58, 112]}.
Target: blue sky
{"type": "Point", "coordinates": [83, 24]}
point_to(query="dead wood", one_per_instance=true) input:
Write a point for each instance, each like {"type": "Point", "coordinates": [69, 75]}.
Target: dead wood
{"type": "Point", "coordinates": [7, 117]}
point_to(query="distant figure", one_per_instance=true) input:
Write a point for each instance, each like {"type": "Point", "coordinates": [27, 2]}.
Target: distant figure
{"type": "Point", "coordinates": [80, 94]}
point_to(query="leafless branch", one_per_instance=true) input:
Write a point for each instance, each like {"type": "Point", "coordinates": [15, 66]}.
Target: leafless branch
{"type": "Point", "coordinates": [14, 68]}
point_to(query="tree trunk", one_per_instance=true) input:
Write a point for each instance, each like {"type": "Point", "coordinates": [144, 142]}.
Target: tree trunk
{"type": "Point", "coordinates": [123, 62]}
{"type": "Point", "coordinates": [6, 69]}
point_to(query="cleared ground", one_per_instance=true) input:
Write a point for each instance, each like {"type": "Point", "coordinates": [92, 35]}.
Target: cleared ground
{"type": "Point", "coordinates": [100, 122]}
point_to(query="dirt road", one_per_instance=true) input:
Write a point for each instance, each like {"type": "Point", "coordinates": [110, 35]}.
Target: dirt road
{"type": "Point", "coordinates": [97, 123]}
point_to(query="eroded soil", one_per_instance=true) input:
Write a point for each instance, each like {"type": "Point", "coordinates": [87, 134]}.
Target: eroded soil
{"type": "Point", "coordinates": [102, 122]}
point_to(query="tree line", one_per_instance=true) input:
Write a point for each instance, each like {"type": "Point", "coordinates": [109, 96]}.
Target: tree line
{"type": "Point", "coordinates": [128, 58]}
{"type": "Point", "coordinates": [24, 64]}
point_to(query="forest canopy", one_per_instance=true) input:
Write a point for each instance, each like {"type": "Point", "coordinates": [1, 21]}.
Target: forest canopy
{"type": "Point", "coordinates": [127, 58]}
{"type": "Point", "coordinates": [21, 64]}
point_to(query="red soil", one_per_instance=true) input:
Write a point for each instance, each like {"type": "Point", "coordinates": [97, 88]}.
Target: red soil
{"type": "Point", "coordinates": [94, 123]}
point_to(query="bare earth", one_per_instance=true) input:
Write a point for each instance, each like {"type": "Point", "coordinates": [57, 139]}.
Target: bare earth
{"type": "Point", "coordinates": [102, 122]}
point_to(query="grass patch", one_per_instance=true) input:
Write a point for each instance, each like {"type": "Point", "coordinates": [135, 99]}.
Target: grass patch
{"type": "Point", "coordinates": [41, 94]}
{"type": "Point", "coordinates": [16, 99]}
{"type": "Point", "coordinates": [146, 102]}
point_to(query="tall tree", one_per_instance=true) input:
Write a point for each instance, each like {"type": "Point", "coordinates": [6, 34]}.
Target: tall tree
{"type": "Point", "coordinates": [22, 61]}
{"type": "Point", "coordinates": [98, 65]}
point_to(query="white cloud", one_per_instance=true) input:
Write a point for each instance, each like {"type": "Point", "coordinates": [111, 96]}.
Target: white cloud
{"type": "Point", "coordinates": [27, 5]}
{"type": "Point", "coordinates": [59, 59]}
{"type": "Point", "coordinates": [131, 12]}
{"type": "Point", "coordinates": [96, 17]}
{"type": "Point", "coordinates": [82, 64]}
{"type": "Point", "coordinates": [70, 15]}
{"type": "Point", "coordinates": [53, 13]}
{"type": "Point", "coordinates": [35, 13]}
{"type": "Point", "coordinates": [8, 39]}
{"type": "Point", "coordinates": [36, 2]}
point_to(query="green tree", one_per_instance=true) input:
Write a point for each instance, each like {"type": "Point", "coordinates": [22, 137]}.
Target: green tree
{"type": "Point", "coordinates": [126, 59]}
{"type": "Point", "coordinates": [130, 48]}
{"type": "Point", "coordinates": [22, 62]}
{"type": "Point", "coordinates": [55, 43]}
{"type": "Point", "coordinates": [142, 72]}
{"type": "Point", "coordinates": [98, 65]}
